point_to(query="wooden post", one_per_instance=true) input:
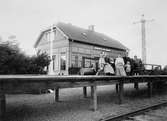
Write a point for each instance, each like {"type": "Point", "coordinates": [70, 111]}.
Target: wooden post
{"type": "Point", "coordinates": [136, 85]}
{"type": "Point", "coordinates": [85, 92]}
{"type": "Point", "coordinates": [120, 93]}
{"type": "Point", "coordinates": [2, 103]}
{"type": "Point", "coordinates": [91, 88]}
{"type": "Point", "coordinates": [150, 89]}
{"type": "Point", "coordinates": [152, 67]}
{"type": "Point", "coordinates": [117, 88]}
{"type": "Point", "coordinates": [56, 94]}
{"type": "Point", "coordinates": [94, 98]}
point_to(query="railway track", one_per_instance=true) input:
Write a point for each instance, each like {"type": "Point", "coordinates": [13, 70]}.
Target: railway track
{"type": "Point", "coordinates": [122, 117]}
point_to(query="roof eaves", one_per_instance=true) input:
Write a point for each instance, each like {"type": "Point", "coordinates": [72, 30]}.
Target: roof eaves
{"type": "Point", "coordinates": [38, 39]}
{"type": "Point", "coordinates": [95, 44]}
{"type": "Point", "coordinates": [62, 32]}
{"type": "Point", "coordinates": [48, 29]}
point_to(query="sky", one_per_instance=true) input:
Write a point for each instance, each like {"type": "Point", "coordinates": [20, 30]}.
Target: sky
{"type": "Point", "coordinates": [26, 18]}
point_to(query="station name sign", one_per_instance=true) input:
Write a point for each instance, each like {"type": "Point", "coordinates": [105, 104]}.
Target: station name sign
{"type": "Point", "coordinates": [103, 49]}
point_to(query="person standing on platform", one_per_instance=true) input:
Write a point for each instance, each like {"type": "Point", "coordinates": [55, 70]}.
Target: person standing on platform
{"type": "Point", "coordinates": [128, 68]}
{"type": "Point", "coordinates": [101, 63]}
{"type": "Point", "coordinates": [102, 60]}
{"type": "Point", "coordinates": [137, 65]}
{"type": "Point", "coordinates": [108, 69]}
{"type": "Point", "coordinates": [112, 63]}
{"type": "Point", "coordinates": [119, 66]}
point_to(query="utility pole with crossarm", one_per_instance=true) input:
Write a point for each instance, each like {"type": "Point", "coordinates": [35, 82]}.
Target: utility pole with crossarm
{"type": "Point", "coordinates": [143, 34]}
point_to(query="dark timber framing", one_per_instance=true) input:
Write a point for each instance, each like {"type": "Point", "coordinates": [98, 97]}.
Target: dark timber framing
{"type": "Point", "coordinates": [15, 83]}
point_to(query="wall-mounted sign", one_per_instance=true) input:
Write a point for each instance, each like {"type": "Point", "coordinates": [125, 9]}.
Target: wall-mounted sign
{"type": "Point", "coordinates": [103, 49]}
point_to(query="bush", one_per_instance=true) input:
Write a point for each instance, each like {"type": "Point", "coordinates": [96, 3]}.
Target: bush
{"type": "Point", "coordinates": [13, 61]}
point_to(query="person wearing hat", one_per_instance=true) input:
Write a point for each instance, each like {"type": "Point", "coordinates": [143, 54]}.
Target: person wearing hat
{"type": "Point", "coordinates": [101, 63]}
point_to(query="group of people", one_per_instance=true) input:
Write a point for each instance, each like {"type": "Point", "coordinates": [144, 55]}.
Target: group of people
{"type": "Point", "coordinates": [118, 67]}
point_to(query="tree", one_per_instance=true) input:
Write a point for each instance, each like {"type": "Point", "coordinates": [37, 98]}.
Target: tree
{"type": "Point", "coordinates": [13, 61]}
{"type": "Point", "coordinates": [37, 63]}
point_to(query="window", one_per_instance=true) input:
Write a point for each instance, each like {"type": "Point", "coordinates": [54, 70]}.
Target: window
{"type": "Point", "coordinates": [79, 60]}
{"type": "Point", "coordinates": [55, 63]}
{"type": "Point", "coordinates": [52, 36]}
{"type": "Point", "coordinates": [63, 61]}
{"type": "Point", "coordinates": [81, 50]}
{"type": "Point", "coordinates": [74, 60]}
{"type": "Point", "coordinates": [48, 36]}
{"type": "Point", "coordinates": [55, 34]}
{"type": "Point", "coordinates": [87, 63]}
{"type": "Point", "coordinates": [74, 49]}
{"type": "Point", "coordinates": [84, 34]}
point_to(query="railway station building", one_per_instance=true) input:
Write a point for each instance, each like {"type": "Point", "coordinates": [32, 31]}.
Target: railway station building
{"type": "Point", "coordinates": [71, 48]}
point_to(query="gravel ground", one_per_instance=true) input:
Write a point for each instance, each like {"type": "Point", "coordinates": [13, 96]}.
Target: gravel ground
{"type": "Point", "coordinates": [153, 115]}
{"type": "Point", "coordinates": [73, 107]}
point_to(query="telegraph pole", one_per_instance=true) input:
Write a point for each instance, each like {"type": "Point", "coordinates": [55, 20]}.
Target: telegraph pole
{"type": "Point", "coordinates": [143, 34]}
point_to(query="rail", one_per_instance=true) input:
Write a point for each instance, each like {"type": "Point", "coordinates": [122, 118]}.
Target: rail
{"type": "Point", "coordinates": [22, 83]}
{"type": "Point", "coordinates": [133, 113]}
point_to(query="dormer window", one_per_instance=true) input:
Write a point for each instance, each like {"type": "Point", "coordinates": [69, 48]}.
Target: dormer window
{"type": "Point", "coordinates": [104, 39]}
{"type": "Point", "coordinates": [84, 34]}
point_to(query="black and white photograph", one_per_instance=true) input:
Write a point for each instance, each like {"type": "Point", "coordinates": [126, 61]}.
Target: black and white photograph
{"type": "Point", "coordinates": [83, 60]}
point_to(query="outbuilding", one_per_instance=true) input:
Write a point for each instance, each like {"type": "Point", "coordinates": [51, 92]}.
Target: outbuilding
{"type": "Point", "coordinates": [71, 48]}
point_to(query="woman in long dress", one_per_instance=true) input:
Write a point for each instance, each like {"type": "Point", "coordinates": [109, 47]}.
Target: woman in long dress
{"type": "Point", "coordinates": [108, 69]}
{"type": "Point", "coordinates": [101, 64]}
{"type": "Point", "coordinates": [119, 66]}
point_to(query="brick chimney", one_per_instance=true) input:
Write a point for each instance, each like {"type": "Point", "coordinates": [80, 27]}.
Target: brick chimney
{"type": "Point", "coordinates": [91, 27]}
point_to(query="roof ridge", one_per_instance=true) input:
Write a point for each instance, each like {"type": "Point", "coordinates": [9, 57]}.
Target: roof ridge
{"type": "Point", "coordinates": [91, 37]}
{"type": "Point", "coordinates": [74, 32]}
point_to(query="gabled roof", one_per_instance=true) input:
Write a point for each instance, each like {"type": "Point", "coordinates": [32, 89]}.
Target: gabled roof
{"type": "Point", "coordinates": [87, 36]}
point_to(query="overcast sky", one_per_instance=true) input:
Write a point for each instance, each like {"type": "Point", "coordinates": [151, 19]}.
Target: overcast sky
{"type": "Point", "coordinates": [26, 18]}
